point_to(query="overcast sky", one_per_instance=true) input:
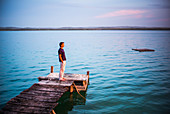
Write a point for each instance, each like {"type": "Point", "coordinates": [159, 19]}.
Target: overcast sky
{"type": "Point", "coordinates": [84, 13]}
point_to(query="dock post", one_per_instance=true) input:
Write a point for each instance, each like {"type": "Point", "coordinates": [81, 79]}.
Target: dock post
{"type": "Point", "coordinates": [52, 112]}
{"type": "Point", "coordinates": [71, 89]}
{"type": "Point", "coordinates": [52, 69]}
{"type": "Point", "coordinates": [71, 93]}
{"type": "Point", "coordinates": [88, 76]}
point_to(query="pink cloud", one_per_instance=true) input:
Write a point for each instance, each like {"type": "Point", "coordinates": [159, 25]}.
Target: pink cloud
{"type": "Point", "coordinates": [136, 13]}
{"type": "Point", "coordinates": [138, 16]}
{"type": "Point", "coordinates": [149, 16]}
{"type": "Point", "coordinates": [163, 20]}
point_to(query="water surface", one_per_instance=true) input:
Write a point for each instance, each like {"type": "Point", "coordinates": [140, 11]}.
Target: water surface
{"type": "Point", "coordinates": [121, 80]}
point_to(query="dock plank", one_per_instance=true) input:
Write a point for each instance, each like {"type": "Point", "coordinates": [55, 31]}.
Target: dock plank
{"type": "Point", "coordinates": [26, 109]}
{"type": "Point", "coordinates": [67, 76]}
{"type": "Point", "coordinates": [49, 88]}
{"type": "Point", "coordinates": [47, 81]}
{"type": "Point", "coordinates": [26, 102]}
{"type": "Point", "coordinates": [41, 93]}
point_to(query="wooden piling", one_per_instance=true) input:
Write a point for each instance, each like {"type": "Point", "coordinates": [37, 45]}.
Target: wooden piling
{"type": "Point", "coordinates": [87, 72]}
{"type": "Point", "coordinates": [71, 89]}
{"type": "Point", "coordinates": [88, 76]}
{"type": "Point", "coordinates": [52, 69]}
{"type": "Point", "coordinates": [53, 112]}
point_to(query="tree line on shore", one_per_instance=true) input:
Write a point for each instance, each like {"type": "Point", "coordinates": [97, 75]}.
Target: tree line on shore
{"type": "Point", "coordinates": [83, 28]}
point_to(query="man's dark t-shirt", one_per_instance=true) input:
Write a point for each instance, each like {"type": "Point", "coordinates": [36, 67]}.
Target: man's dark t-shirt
{"type": "Point", "coordinates": [61, 51]}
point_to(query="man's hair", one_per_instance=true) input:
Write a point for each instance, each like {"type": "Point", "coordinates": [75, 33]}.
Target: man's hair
{"type": "Point", "coordinates": [61, 43]}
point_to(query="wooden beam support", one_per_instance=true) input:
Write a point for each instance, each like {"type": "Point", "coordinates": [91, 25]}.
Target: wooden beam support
{"type": "Point", "coordinates": [84, 83]}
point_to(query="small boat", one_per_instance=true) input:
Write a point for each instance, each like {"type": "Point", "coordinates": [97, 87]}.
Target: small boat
{"type": "Point", "coordinates": [142, 50]}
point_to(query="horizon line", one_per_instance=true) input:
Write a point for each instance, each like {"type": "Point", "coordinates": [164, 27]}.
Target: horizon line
{"type": "Point", "coordinates": [85, 27]}
{"type": "Point", "coordinates": [82, 28]}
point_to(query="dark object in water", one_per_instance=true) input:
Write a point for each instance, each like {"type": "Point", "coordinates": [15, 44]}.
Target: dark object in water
{"type": "Point", "coordinates": [142, 50]}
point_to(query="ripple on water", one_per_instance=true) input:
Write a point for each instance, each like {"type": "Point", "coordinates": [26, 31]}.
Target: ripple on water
{"type": "Point", "coordinates": [32, 67]}
{"type": "Point", "coordinates": [41, 63]}
{"type": "Point", "coordinates": [15, 70]}
{"type": "Point", "coordinates": [15, 80]}
{"type": "Point", "coordinates": [43, 69]}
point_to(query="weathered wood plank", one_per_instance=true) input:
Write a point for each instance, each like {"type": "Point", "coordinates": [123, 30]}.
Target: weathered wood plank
{"type": "Point", "coordinates": [28, 109]}
{"type": "Point", "coordinates": [25, 102]}
{"type": "Point", "coordinates": [42, 93]}
{"type": "Point", "coordinates": [49, 88]}
{"type": "Point", "coordinates": [57, 83]}
{"type": "Point", "coordinates": [68, 76]}
{"type": "Point", "coordinates": [49, 92]}
{"type": "Point", "coordinates": [40, 98]}
{"type": "Point", "coordinates": [11, 112]}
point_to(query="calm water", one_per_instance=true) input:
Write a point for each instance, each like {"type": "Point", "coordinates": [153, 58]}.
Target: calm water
{"type": "Point", "coordinates": [121, 80]}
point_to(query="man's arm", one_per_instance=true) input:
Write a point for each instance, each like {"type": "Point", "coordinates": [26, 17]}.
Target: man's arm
{"type": "Point", "coordinates": [60, 58]}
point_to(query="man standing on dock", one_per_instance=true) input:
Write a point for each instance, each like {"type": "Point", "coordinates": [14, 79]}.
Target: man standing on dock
{"type": "Point", "coordinates": [62, 60]}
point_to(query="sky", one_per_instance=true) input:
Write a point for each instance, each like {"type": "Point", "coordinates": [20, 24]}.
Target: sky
{"type": "Point", "coordinates": [84, 13]}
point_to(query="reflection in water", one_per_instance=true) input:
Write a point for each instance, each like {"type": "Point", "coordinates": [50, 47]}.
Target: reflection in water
{"type": "Point", "coordinates": [68, 101]}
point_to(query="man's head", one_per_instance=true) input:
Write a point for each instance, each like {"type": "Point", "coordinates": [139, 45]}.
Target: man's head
{"type": "Point", "coordinates": [61, 44]}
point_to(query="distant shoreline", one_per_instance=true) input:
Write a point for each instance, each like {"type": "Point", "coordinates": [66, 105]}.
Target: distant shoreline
{"type": "Point", "coordinates": [81, 28]}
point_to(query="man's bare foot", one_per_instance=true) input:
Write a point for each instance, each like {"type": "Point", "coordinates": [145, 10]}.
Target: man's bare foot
{"type": "Point", "coordinates": [62, 79]}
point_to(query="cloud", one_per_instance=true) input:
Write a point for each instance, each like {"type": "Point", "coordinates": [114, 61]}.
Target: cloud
{"type": "Point", "coordinates": [123, 13]}
{"type": "Point", "coordinates": [163, 20]}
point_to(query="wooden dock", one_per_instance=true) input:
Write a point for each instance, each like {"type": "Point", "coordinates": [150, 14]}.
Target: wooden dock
{"type": "Point", "coordinates": [42, 97]}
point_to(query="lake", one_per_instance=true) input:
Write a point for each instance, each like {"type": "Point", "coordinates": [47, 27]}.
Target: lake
{"type": "Point", "coordinates": [121, 80]}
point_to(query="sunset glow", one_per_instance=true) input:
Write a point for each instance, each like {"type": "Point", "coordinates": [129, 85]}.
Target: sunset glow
{"type": "Point", "coordinates": [87, 13]}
